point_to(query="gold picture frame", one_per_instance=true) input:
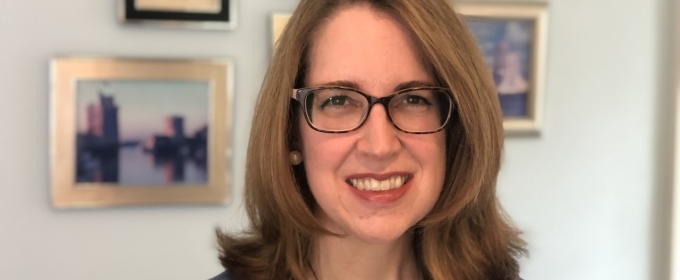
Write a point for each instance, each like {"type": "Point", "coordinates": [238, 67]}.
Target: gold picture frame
{"type": "Point", "coordinates": [91, 162]}
{"type": "Point", "coordinates": [674, 254]}
{"type": "Point", "coordinates": [523, 108]}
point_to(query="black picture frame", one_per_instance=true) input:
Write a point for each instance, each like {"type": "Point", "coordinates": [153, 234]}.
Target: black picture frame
{"type": "Point", "coordinates": [225, 19]}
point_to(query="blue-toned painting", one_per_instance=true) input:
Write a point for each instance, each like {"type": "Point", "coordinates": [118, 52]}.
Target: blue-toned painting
{"type": "Point", "coordinates": [142, 132]}
{"type": "Point", "coordinates": [506, 46]}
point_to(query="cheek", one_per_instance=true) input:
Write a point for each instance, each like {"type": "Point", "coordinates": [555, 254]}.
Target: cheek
{"type": "Point", "coordinates": [325, 150]}
{"type": "Point", "coordinates": [321, 160]}
{"type": "Point", "coordinates": [430, 151]}
{"type": "Point", "coordinates": [321, 153]}
{"type": "Point", "coordinates": [432, 156]}
{"type": "Point", "coordinates": [310, 145]}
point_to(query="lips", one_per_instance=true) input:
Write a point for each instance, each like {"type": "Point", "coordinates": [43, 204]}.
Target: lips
{"type": "Point", "coordinates": [380, 189]}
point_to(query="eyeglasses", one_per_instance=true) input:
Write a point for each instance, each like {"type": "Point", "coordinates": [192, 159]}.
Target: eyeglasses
{"type": "Point", "coordinates": [419, 110]}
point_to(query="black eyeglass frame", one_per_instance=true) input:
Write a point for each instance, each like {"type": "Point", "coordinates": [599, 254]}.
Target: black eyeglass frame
{"type": "Point", "coordinates": [300, 95]}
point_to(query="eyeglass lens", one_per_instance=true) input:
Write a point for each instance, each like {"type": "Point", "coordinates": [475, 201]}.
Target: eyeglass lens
{"type": "Point", "coordinates": [421, 110]}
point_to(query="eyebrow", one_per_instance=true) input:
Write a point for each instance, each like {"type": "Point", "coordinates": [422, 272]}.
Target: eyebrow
{"type": "Point", "coordinates": [342, 83]}
{"type": "Point", "coordinates": [404, 85]}
{"type": "Point", "coordinates": [413, 84]}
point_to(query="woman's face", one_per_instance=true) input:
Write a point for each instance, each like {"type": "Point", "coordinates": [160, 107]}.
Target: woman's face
{"type": "Point", "coordinates": [372, 52]}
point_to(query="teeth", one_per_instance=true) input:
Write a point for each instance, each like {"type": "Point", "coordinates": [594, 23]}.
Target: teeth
{"type": "Point", "coordinates": [385, 185]}
{"type": "Point", "coordinates": [360, 184]}
{"type": "Point", "coordinates": [375, 185]}
{"type": "Point", "coordinates": [370, 184]}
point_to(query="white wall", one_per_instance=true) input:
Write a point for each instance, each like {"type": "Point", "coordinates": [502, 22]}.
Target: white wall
{"type": "Point", "coordinates": [592, 193]}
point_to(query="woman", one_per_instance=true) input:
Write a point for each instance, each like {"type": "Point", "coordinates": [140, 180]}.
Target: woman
{"type": "Point", "coordinates": [374, 151]}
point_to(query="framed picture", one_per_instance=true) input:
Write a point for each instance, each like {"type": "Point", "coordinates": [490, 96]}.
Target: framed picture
{"type": "Point", "coordinates": [140, 131]}
{"type": "Point", "coordinates": [513, 39]}
{"type": "Point", "coordinates": [674, 202]}
{"type": "Point", "coordinates": [279, 21]}
{"type": "Point", "coordinates": [199, 14]}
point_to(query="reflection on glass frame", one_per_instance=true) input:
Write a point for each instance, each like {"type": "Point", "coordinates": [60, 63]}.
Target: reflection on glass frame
{"type": "Point", "coordinates": [199, 14]}
{"type": "Point", "coordinates": [512, 38]}
{"type": "Point", "coordinates": [133, 131]}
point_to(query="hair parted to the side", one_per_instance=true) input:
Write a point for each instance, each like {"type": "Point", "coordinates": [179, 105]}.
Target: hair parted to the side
{"type": "Point", "coordinates": [465, 236]}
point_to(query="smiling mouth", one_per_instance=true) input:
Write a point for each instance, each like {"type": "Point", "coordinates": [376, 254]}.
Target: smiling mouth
{"type": "Point", "coordinates": [371, 184]}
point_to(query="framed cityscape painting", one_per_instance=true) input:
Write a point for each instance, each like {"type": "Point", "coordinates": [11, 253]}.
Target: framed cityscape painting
{"type": "Point", "coordinates": [136, 131]}
{"type": "Point", "coordinates": [198, 14]}
{"type": "Point", "coordinates": [512, 38]}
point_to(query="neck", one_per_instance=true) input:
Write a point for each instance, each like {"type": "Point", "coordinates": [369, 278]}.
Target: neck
{"type": "Point", "coordinates": [348, 258]}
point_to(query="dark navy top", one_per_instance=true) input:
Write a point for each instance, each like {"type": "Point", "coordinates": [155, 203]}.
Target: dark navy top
{"type": "Point", "coordinates": [223, 276]}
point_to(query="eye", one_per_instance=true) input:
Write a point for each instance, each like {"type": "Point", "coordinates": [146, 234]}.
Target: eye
{"type": "Point", "coordinates": [416, 100]}
{"type": "Point", "coordinates": [338, 100]}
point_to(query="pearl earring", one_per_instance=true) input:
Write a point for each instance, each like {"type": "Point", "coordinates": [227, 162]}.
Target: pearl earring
{"type": "Point", "coordinates": [295, 157]}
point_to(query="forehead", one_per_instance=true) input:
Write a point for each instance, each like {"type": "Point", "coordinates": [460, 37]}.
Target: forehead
{"type": "Point", "coordinates": [366, 47]}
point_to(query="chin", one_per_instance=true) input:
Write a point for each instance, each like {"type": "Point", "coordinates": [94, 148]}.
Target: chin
{"type": "Point", "coordinates": [379, 235]}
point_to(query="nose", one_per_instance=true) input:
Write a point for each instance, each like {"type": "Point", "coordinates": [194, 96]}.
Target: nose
{"type": "Point", "coordinates": [378, 135]}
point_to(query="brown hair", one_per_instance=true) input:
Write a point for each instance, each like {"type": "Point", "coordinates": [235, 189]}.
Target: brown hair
{"type": "Point", "coordinates": [465, 236]}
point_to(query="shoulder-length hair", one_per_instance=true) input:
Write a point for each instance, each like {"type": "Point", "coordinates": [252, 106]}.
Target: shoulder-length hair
{"type": "Point", "coordinates": [465, 236]}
